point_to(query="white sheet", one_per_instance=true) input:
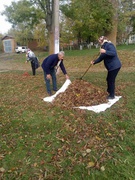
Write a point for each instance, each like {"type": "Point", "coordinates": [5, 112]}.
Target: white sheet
{"type": "Point", "coordinates": [62, 89]}
{"type": "Point", "coordinates": [97, 108]}
{"type": "Point", "coordinates": [101, 107]}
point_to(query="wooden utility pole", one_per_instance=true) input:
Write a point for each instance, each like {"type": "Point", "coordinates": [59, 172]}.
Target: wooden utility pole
{"type": "Point", "coordinates": [56, 26]}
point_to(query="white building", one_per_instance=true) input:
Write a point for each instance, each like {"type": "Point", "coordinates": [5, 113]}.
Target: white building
{"type": "Point", "coordinates": [131, 39]}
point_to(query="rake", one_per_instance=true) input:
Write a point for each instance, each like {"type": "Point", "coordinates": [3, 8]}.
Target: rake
{"type": "Point", "coordinates": [88, 68]}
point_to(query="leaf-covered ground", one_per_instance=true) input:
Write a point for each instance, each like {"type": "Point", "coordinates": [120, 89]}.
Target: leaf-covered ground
{"type": "Point", "coordinates": [42, 141]}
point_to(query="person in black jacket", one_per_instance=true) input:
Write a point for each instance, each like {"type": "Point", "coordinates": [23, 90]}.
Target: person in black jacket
{"type": "Point", "coordinates": [48, 65]}
{"type": "Point", "coordinates": [112, 63]}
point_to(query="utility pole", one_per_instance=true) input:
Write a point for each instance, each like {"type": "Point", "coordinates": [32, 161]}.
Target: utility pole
{"type": "Point", "coordinates": [56, 26]}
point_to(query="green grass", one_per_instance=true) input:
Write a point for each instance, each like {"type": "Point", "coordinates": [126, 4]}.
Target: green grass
{"type": "Point", "coordinates": [41, 141]}
{"type": "Point", "coordinates": [130, 47]}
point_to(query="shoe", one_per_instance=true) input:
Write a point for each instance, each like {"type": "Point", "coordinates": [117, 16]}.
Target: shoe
{"type": "Point", "coordinates": [55, 90]}
{"type": "Point", "coordinates": [110, 97]}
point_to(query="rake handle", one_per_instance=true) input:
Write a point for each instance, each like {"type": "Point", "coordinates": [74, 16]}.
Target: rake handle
{"type": "Point", "coordinates": [86, 71]}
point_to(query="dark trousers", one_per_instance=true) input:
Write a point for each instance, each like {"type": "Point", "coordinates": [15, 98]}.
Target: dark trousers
{"type": "Point", "coordinates": [54, 81]}
{"type": "Point", "coordinates": [111, 76]}
{"type": "Point", "coordinates": [33, 67]}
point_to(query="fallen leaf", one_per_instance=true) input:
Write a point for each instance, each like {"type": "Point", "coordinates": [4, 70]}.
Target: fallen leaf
{"type": "Point", "coordinates": [40, 151]}
{"type": "Point", "coordinates": [35, 164]}
{"type": "Point", "coordinates": [102, 168]}
{"type": "Point", "coordinates": [99, 139]}
{"type": "Point", "coordinates": [2, 170]}
{"type": "Point", "coordinates": [84, 154]}
{"type": "Point", "coordinates": [91, 164]}
{"type": "Point", "coordinates": [88, 150]}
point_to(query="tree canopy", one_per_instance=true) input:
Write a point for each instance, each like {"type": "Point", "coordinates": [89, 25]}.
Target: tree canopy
{"type": "Point", "coordinates": [88, 18]}
{"type": "Point", "coordinates": [82, 20]}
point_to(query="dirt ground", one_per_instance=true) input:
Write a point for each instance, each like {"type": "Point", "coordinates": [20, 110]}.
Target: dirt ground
{"type": "Point", "coordinates": [7, 62]}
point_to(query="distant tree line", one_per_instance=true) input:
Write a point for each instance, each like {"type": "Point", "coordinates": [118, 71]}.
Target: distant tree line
{"type": "Point", "coordinates": [80, 21]}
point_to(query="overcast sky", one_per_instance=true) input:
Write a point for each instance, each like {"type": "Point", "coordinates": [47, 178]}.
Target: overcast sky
{"type": "Point", "coordinates": [4, 25]}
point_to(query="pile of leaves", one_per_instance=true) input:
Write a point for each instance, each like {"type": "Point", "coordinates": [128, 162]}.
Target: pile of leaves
{"type": "Point", "coordinates": [81, 93]}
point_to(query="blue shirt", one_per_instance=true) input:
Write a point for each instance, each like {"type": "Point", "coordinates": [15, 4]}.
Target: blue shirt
{"type": "Point", "coordinates": [50, 62]}
{"type": "Point", "coordinates": [111, 60]}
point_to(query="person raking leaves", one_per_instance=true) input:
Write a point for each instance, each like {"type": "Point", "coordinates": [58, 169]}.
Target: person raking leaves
{"type": "Point", "coordinates": [112, 63]}
{"type": "Point", "coordinates": [50, 66]}
{"type": "Point", "coordinates": [33, 59]}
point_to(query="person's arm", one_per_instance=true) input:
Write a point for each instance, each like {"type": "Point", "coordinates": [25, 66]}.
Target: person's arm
{"type": "Point", "coordinates": [64, 70]}
{"type": "Point", "coordinates": [27, 57]}
{"type": "Point", "coordinates": [110, 50]}
{"type": "Point", "coordinates": [99, 59]}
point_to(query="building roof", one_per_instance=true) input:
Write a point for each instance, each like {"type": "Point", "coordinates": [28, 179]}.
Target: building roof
{"type": "Point", "coordinates": [7, 36]}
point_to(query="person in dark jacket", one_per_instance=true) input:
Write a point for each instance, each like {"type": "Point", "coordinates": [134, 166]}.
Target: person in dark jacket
{"type": "Point", "coordinates": [50, 66]}
{"type": "Point", "coordinates": [112, 63]}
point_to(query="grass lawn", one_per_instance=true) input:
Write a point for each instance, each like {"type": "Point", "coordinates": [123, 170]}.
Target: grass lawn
{"type": "Point", "coordinates": [40, 141]}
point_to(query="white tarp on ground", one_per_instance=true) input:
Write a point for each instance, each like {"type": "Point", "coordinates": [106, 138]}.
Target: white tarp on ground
{"type": "Point", "coordinates": [62, 89]}
{"type": "Point", "coordinates": [97, 108]}
{"type": "Point", "coordinates": [101, 107]}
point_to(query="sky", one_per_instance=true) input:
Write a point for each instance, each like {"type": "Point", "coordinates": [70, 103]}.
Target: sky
{"type": "Point", "coordinates": [4, 25]}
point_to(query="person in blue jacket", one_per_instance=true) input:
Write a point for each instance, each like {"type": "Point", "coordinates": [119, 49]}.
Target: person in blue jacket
{"type": "Point", "coordinates": [50, 66]}
{"type": "Point", "coordinates": [112, 63]}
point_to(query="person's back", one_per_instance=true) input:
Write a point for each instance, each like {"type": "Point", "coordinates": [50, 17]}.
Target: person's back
{"type": "Point", "coordinates": [50, 62]}
{"type": "Point", "coordinates": [31, 54]}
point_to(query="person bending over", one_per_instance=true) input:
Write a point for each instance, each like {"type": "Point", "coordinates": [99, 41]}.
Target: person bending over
{"type": "Point", "coordinates": [50, 66]}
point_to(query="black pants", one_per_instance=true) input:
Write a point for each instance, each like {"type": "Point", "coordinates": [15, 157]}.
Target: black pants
{"type": "Point", "coordinates": [111, 76]}
{"type": "Point", "coordinates": [33, 67]}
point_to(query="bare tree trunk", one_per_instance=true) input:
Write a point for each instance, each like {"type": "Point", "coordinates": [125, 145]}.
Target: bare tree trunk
{"type": "Point", "coordinates": [51, 10]}
{"type": "Point", "coordinates": [50, 24]}
{"type": "Point", "coordinates": [51, 42]}
{"type": "Point", "coordinates": [113, 34]}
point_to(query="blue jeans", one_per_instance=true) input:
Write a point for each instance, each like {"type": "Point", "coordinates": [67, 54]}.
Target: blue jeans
{"type": "Point", "coordinates": [54, 81]}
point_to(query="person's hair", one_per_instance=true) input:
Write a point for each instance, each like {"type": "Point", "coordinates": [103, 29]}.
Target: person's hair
{"type": "Point", "coordinates": [62, 53]}
{"type": "Point", "coordinates": [102, 38]}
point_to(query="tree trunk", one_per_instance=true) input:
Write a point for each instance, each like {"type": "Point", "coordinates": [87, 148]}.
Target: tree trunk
{"type": "Point", "coordinates": [51, 42]}
{"type": "Point", "coordinates": [113, 34]}
{"type": "Point", "coordinates": [50, 24]}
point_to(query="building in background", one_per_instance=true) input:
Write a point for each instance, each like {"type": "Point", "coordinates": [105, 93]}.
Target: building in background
{"type": "Point", "coordinates": [9, 44]}
{"type": "Point", "coordinates": [131, 39]}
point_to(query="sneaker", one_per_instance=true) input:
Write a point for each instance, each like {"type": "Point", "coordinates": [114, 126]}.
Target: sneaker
{"type": "Point", "coordinates": [55, 90]}
{"type": "Point", "coordinates": [110, 97]}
